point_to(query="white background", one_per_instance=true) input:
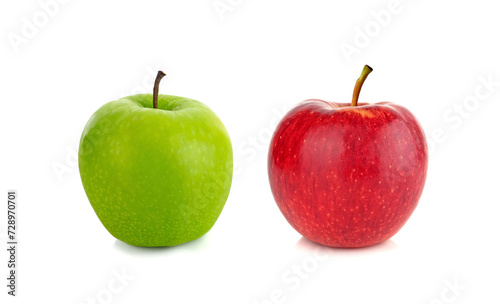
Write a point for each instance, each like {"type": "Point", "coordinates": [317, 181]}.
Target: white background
{"type": "Point", "coordinates": [250, 65]}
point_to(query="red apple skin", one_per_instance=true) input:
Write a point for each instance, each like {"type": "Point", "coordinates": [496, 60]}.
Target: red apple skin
{"type": "Point", "coordinates": [347, 176]}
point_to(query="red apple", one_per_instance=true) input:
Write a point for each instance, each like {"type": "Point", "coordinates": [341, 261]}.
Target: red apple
{"type": "Point", "coordinates": [348, 174]}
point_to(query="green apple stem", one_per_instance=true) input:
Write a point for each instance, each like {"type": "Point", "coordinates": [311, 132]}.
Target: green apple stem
{"type": "Point", "coordinates": [159, 76]}
{"type": "Point", "coordinates": [359, 83]}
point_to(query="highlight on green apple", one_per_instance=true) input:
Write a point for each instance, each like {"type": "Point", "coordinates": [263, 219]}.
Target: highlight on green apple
{"type": "Point", "coordinates": [157, 169]}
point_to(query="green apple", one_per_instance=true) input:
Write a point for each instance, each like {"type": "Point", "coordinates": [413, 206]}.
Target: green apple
{"type": "Point", "coordinates": [156, 169]}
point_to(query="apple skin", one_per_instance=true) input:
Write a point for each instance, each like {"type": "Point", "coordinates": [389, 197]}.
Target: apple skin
{"type": "Point", "coordinates": [156, 177]}
{"type": "Point", "coordinates": [347, 176]}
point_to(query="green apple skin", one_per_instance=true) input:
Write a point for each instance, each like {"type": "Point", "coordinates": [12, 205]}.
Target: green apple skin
{"type": "Point", "coordinates": [156, 177]}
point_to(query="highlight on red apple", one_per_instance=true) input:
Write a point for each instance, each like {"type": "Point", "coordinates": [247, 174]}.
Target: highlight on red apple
{"type": "Point", "coordinates": [348, 174]}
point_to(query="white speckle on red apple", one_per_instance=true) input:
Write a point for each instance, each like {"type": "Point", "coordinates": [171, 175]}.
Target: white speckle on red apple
{"type": "Point", "coordinates": [355, 186]}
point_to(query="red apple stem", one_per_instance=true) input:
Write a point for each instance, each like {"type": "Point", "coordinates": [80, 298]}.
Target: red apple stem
{"type": "Point", "coordinates": [159, 76]}
{"type": "Point", "coordinates": [359, 83]}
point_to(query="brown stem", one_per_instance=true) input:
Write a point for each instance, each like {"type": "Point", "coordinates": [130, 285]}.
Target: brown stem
{"type": "Point", "coordinates": [359, 83]}
{"type": "Point", "coordinates": [159, 76]}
